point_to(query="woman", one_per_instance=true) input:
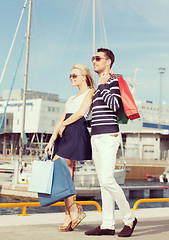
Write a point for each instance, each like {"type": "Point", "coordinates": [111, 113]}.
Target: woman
{"type": "Point", "coordinates": [71, 138]}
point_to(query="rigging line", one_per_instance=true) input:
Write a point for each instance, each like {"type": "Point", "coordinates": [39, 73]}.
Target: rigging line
{"type": "Point", "coordinates": [34, 23]}
{"type": "Point", "coordinates": [102, 41]}
{"type": "Point", "coordinates": [104, 29]}
{"type": "Point", "coordinates": [75, 19]}
{"type": "Point", "coordinates": [4, 69]}
{"type": "Point", "coordinates": [75, 33]}
{"type": "Point", "coordinates": [77, 29]}
{"type": "Point", "coordinates": [90, 49]}
{"type": "Point", "coordinates": [91, 33]}
{"type": "Point", "coordinates": [68, 35]}
{"type": "Point", "coordinates": [3, 117]}
{"type": "Point", "coordinates": [79, 26]}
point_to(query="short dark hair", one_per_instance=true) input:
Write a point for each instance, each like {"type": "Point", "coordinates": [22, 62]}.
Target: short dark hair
{"type": "Point", "coordinates": [108, 53]}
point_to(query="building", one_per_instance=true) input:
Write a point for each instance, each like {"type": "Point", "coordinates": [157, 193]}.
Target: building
{"type": "Point", "coordinates": [42, 112]}
{"type": "Point", "coordinates": [148, 137]}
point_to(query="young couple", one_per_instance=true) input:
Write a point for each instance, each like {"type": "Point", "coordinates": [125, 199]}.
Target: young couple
{"type": "Point", "coordinates": [71, 141]}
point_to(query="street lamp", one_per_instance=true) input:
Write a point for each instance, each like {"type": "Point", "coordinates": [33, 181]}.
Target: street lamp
{"type": "Point", "coordinates": [161, 71]}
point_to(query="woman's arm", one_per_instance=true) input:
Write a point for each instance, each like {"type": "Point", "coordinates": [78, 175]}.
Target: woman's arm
{"type": "Point", "coordinates": [55, 133]}
{"type": "Point", "coordinates": [80, 113]}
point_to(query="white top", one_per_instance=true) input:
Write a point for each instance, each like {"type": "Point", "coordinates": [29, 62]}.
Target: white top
{"type": "Point", "coordinates": [73, 104]}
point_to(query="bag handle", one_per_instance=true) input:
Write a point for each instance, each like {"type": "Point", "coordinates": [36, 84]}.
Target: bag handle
{"type": "Point", "coordinates": [46, 157]}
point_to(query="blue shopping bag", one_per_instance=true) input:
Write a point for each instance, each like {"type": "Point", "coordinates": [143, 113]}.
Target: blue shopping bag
{"type": "Point", "coordinates": [42, 176]}
{"type": "Point", "coordinates": [62, 186]}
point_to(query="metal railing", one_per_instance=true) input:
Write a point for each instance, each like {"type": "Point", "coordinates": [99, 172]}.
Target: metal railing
{"type": "Point", "coordinates": [146, 200]}
{"type": "Point", "coordinates": [24, 205]}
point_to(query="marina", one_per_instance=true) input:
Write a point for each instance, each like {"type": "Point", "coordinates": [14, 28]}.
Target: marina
{"type": "Point", "coordinates": [28, 117]}
{"type": "Point", "coordinates": [142, 189]}
{"type": "Point", "coordinates": [134, 192]}
{"type": "Point", "coordinates": [144, 141]}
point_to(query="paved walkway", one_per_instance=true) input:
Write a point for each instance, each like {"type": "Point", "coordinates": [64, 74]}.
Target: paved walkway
{"type": "Point", "coordinates": [153, 224]}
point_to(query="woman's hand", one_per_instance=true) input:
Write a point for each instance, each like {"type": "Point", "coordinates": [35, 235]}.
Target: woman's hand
{"type": "Point", "coordinates": [48, 148]}
{"type": "Point", "coordinates": [61, 129]}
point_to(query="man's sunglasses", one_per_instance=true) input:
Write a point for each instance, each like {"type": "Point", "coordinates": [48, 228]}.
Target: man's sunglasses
{"type": "Point", "coordinates": [74, 76]}
{"type": "Point", "coordinates": [97, 58]}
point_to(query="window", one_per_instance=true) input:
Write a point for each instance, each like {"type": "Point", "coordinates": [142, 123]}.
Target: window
{"type": "Point", "coordinates": [57, 109]}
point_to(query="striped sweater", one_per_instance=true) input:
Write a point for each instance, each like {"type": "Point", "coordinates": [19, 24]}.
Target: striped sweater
{"type": "Point", "coordinates": [106, 102]}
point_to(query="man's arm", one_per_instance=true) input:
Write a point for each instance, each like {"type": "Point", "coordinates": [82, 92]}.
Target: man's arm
{"type": "Point", "coordinates": [110, 93]}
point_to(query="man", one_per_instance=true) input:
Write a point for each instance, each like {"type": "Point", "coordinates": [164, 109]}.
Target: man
{"type": "Point", "coordinates": [105, 142]}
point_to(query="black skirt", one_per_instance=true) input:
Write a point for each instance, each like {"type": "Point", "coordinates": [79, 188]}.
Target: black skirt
{"type": "Point", "coordinates": [75, 141]}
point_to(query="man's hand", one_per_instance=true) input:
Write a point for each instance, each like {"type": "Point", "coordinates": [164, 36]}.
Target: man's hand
{"type": "Point", "coordinates": [103, 78]}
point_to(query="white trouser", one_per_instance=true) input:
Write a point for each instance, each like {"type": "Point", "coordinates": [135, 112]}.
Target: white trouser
{"type": "Point", "coordinates": [104, 150]}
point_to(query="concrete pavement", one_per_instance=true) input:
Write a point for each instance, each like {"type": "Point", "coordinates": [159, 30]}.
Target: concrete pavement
{"type": "Point", "coordinates": [153, 223]}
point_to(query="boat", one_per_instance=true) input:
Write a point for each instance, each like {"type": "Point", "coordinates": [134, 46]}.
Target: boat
{"type": "Point", "coordinates": [86, 176]}
{"type": "Point", "coordinates": [6, 168]}
{"type": "Point", "coordinates": [141, 145]}
{"type": "Point", "coordinates": [151, 178]}
{"type": "Point", "coordinates": [6, 173]}
{"type": "Point", "coordinates": [165, 176]}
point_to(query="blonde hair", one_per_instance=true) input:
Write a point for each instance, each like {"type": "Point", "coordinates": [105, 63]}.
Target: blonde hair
{"type": "Point", "coordinates": [86, 72]}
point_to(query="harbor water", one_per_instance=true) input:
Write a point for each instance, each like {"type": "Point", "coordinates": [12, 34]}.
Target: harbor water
{"type": "Point", "coordinates": [31, 210]}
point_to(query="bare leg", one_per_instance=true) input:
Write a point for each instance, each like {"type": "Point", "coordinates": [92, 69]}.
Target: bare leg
{"type": "Point", "coordinates": [70, 200]}
{"type": "Point", "coordinates": [72, 213]}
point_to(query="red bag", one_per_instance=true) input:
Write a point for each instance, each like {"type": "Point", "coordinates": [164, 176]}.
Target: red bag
{"type": "Point", "coordinates": [129, 105]}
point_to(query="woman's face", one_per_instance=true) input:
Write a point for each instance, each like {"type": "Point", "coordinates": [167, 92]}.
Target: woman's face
{"type": "Point", "coordinates": [76, 77]}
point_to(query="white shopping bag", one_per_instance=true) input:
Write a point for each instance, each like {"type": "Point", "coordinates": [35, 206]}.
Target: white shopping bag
{"type": "Point", "coordinates": [41, 177]}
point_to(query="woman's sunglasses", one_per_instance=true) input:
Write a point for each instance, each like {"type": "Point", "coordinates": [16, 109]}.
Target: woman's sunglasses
{"type": "Point", "coordinates": [74, 76]}
{"type": "Point", "coordinates": [97, 58]}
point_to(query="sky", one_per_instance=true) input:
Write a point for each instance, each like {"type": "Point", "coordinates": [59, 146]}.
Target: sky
{"type": "Point", "coordinates": [61, 35]}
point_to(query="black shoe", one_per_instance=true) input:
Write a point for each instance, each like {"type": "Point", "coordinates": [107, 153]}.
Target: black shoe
{"type": "Point", "coordinates": [98, 231]}
{"type": "Point", "coordinates": [127, 231]}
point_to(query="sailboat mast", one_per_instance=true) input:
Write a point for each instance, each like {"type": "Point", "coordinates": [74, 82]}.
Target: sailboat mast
{"type": "Point", "coordinates": [94, 26]}
{"type": "Point", "coordinates": [26, 72]}
{"type": "Point", "coordinates": [94, 33]}
{"type": "Point", "coordinates": [13, 41]}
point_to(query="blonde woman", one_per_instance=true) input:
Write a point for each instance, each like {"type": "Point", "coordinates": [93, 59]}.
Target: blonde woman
{"type": "Point", "coordinates": [71, 138]}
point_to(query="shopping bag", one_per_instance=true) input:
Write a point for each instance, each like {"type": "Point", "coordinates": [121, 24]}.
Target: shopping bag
{"type": "Point", "coordinates": [121, 116]}
{"type": "Point", "coordinates": [42, 176]}
{"type": "Point", "coordinates": [62, 185]}
{"type": "Point", "coordinates": [129, 105]}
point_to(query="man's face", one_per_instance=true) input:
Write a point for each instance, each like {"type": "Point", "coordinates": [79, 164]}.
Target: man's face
{"type": "Point", "coordinates": [100, 62]}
